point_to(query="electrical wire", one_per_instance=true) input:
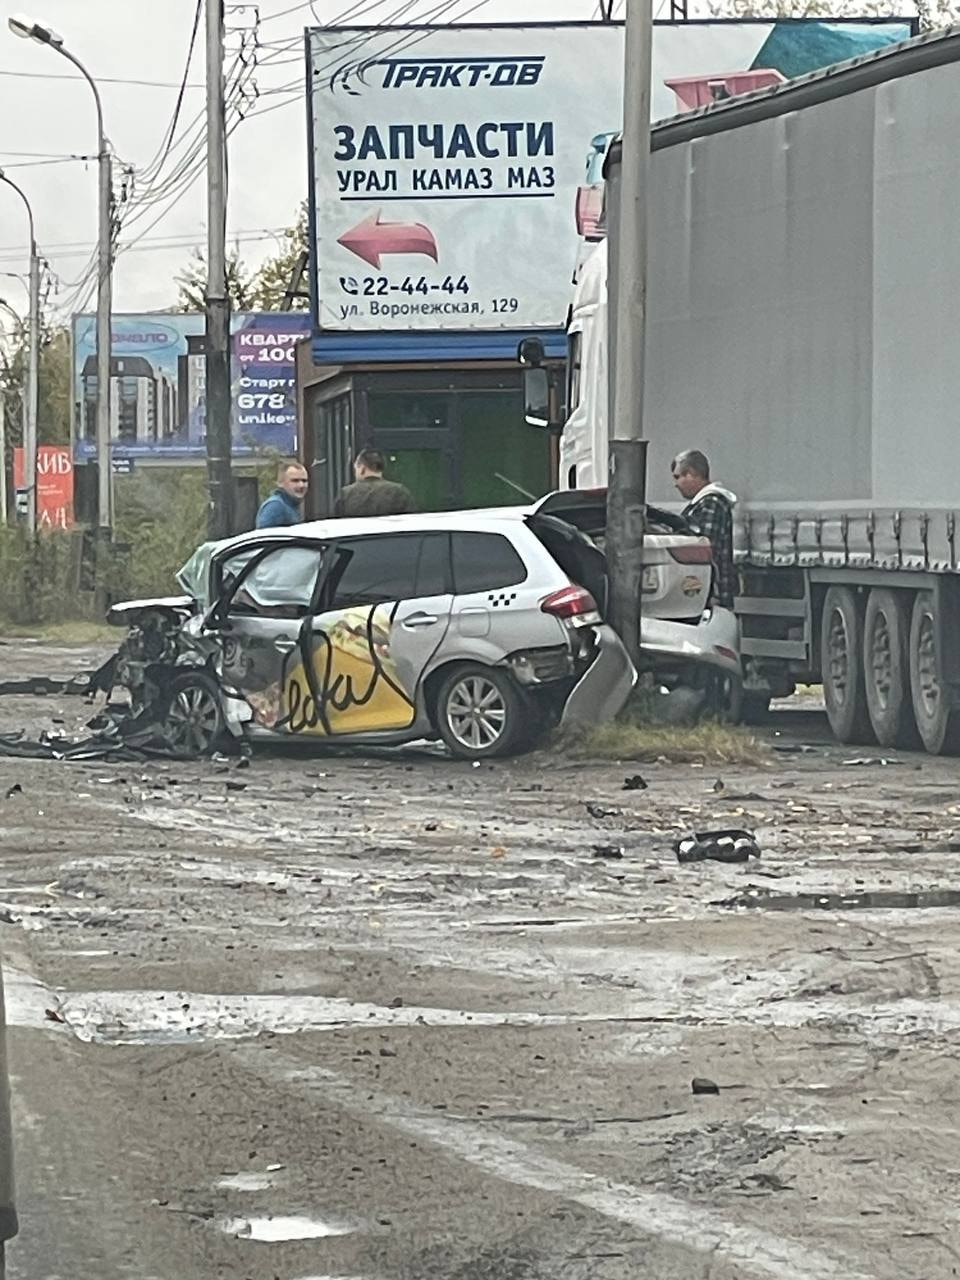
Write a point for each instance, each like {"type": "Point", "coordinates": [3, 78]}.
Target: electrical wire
{"type": "Point", "coordinates": [404, 42]}
{"type": "Point", "coordinates": [33, 164]}
{"type": "Point", "coordinates": [60, 75]}
{"type": "Point", "coordinates": [296, 8]}
{"type": "Point", "coordinates": [188, 165]}
{"type": "Point", "coordinates": [167, 142]}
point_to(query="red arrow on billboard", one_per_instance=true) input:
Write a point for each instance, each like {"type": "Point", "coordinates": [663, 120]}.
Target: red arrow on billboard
{"type": "Point", "coordinates": [371, 239]}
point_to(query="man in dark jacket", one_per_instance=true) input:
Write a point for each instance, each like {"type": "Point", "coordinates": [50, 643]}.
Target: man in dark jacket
{"type": "Point", "coordinates": [709, 511]}
{"type": "Point", "coordinates": [285, 504]}
{"type": "Point", "coordinates": [371, 494]}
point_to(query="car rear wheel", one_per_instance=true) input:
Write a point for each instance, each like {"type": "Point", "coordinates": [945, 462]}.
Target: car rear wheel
{"type": "Point", "coordinates": [192, 721]}
{"type": "Point", "coordinates": [480, 713]}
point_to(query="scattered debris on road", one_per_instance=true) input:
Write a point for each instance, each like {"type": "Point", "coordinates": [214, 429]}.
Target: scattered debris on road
{"type": "Point", "coordinates": [608, 851]}
{"type": "Point", "coordinates": [732, 845]}
{"type": "Point", "coordinates": [599, 812]}
{"type": "Point", "coordinates": [866, 761]}
{"type": "Point", "coordinates": [636, 782]}
{"type": "Point", "coordinates": [701, 1085]}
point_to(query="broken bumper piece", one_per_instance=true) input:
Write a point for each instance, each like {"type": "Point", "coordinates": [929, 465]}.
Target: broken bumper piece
{"type": "Point", "coordinates": [603, 689]}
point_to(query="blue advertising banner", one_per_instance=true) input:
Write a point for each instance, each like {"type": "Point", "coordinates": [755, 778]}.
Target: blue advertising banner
{"type": "Point", "coordinates": [158, 394]}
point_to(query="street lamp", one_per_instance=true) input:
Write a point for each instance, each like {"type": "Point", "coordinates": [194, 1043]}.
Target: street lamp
{"type": "Point", "coordinates": [28, 30]}
{"type": "Point", "coordinates": [31, 400]}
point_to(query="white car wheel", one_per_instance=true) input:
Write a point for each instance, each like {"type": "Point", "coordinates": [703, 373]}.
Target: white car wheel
{"type": "Point", "coordinates": [479, 713]}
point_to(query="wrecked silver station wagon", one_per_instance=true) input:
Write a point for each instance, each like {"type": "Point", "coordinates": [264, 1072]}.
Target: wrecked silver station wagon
{"type": "Point", "coordinates": [474, 627]}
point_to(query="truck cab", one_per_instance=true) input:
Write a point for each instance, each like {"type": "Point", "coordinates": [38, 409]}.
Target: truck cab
{"type": "Point", "coordinates": [583, 444]}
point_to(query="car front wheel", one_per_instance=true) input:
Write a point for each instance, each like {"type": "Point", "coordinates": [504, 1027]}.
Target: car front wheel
{"type": "Point", "coordinates": [480, 713]}
{"type": "Point", "coordinates": [192, 717]}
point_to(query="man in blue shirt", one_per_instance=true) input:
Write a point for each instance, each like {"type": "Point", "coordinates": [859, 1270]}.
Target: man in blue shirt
{"type": "Point", "coordinates": [285, 504]}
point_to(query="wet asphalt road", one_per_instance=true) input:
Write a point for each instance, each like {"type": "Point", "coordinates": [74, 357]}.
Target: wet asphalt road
{"type": "Point", "coordinates": [391, 1019]}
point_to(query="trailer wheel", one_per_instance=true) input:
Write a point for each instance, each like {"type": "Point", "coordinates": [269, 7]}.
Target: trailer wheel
{"type": "Point", "coordinates": [841, 659]}
{"type": "Point", "coordinates": [937, 721]}
{"type": "Point", "coordinates": [886, 664]}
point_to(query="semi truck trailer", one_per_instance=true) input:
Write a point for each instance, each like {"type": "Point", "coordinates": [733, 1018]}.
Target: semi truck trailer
{"type": "Point", "coordinates": [803, 330]}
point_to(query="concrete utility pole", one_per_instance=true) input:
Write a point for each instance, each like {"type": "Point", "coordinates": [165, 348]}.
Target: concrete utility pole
{"type": "Point", "coordinates": [43, 35]}
{"type": "Point", "coordinates": [626, 492]}
{"type": "Point", "coordinates": [31, 399]}
{"type": "Point", "coordinates": [217, 352]}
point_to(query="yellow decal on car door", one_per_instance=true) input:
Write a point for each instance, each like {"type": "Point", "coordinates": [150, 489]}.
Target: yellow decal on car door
{"type": "Point", "coordinates": [350, 684]}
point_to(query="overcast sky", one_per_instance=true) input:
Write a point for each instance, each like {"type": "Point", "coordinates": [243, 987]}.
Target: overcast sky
{"type": "Point", "coordinates": [138, 57]}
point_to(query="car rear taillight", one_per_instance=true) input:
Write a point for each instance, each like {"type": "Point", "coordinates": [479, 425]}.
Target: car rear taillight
{"type": "Point", "coordinates": [693, 554]}
{"type": "Point", "coordinates": [571, 603]}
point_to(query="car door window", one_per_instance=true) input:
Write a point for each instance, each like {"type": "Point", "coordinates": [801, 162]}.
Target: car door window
{"type": "Point", "coordinates": [485, 562]}
{"type": "Point", "coordinates": [279, 585]}
{"type": "Point", "coordinates": [383, 568]}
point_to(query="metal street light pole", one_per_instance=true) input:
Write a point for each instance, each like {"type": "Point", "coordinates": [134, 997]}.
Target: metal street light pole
{"type": "Point", "coordinates": [31, 399]}
{"type": "Point", "coordinates": [43, 35]}
{"type": "Point", "coordinates": [626, 493]}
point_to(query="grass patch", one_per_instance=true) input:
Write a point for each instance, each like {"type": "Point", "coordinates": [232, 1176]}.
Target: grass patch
{"type": "Point", "coordinates": [705, 743]}
{"type": "Point", "coordinates": [65, 634]}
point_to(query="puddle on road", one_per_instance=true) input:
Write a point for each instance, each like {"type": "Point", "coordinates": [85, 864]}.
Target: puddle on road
{"type": "Point", "coordinates": [868, 900]}
{"type": "Point", "coordinates": [153, 1017]}
{"type": "Point", "coordinates": [273, 1230]}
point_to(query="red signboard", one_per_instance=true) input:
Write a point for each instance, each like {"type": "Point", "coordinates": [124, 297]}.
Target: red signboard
{"type": "Point", "coordinates": [54, 485]}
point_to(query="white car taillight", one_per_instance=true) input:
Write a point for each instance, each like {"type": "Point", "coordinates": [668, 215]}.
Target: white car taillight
{"type": "Point", "coordinates": [573, 605]}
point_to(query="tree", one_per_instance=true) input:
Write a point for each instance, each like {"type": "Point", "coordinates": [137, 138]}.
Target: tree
{"type": "Point", "coordinates": [55, 379]}
{"type": "Point", "coordinates": [192, 283]}
{"type": "Point", "coordinates": [272, 279]}
{"type": "Point", "coordinates": [932, 13]}
{"type": "Point", "coordinates": [261, 290]}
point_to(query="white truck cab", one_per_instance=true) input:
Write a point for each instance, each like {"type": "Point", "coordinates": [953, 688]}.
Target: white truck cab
{"type": "Point", "coordinates": [583, 444]}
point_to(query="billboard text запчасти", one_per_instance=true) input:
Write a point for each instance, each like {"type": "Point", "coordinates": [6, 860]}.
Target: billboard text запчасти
{"type": "Point", "coordinates": [447, 160]}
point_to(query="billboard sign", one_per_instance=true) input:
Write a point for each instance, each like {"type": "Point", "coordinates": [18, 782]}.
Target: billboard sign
{"type": "Point", "coordinates": [54, 485]}
{"type": "Point", "coordinates": [448, 162]}
{"type": "Point", "coordinates": [158, 394]}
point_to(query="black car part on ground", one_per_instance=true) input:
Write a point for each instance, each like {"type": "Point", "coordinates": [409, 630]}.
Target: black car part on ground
{"type": "Point", "coordinates": [730, 845]}
{"type": "Point", "coordinates": [85, 685]}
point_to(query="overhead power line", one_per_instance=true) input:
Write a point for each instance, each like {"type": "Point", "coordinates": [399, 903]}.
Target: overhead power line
{"type": "Point", "coordinates": [59, 75]}
{"type": "Point", "coordinates": [167, 142]}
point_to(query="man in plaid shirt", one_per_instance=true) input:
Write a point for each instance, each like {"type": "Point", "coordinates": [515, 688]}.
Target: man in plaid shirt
{"type": "Point", "coordinates": [709, 511]}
